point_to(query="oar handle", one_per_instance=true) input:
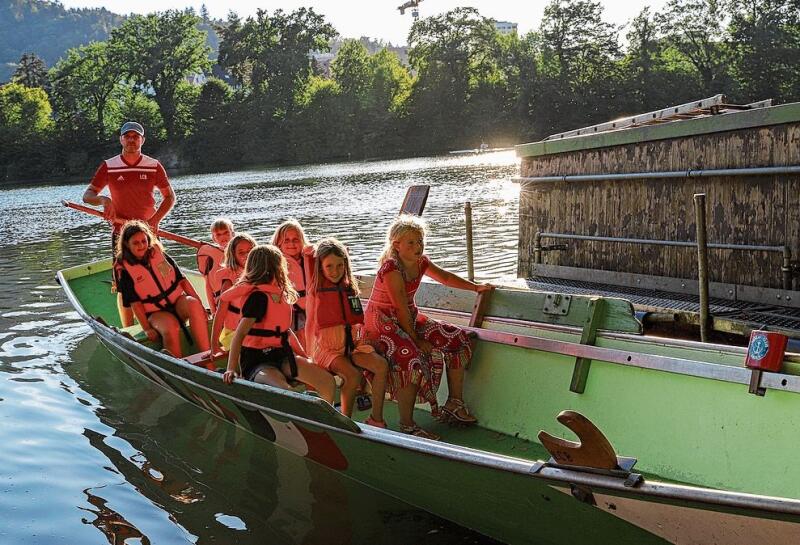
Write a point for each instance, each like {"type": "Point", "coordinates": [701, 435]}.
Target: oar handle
{"type": "Point", "coordinates": [180, 239]}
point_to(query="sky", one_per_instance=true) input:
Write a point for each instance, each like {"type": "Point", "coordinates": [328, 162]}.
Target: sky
{"type": "Point", "coordinates": [378, 19]}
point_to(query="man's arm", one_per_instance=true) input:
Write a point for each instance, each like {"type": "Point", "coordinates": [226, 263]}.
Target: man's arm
{"type": "Point", "coordinates": [163, 209]}
{"type": "Point", "coordinates": [92, 195]}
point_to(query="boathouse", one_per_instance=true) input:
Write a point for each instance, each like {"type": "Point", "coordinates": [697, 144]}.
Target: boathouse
{"type": "Point", "coordinates": [612, 208]}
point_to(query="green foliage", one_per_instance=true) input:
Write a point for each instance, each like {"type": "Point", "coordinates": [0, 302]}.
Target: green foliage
{"type": "Point", "coordinates": [157, 52]}
{"type": "Point", "coordinates": [84, 85]}
{"type": "Point", "coordinates": [25, 127]}
{"type": "Point", "coordinates": [765, 48]}
{"type": "Point", "coordinates": [48, 29]}
{"type": "Point", "coordinates": [31, 71]}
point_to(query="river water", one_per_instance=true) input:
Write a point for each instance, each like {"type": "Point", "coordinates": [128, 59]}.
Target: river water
{"type": "Point", "coordinates": [91, 453]}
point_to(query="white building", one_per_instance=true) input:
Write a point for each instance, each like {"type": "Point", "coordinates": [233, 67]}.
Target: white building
{"type": "Point", "coordinates": [505, 27]}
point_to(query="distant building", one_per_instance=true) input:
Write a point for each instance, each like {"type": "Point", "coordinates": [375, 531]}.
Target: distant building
{"type": "Point", "coordinates": [505, 27]}
{"type": "Point", "coordinates": [323, 61]}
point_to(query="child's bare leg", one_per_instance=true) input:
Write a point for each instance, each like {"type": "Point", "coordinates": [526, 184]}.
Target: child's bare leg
{"type": "Point", "coordinates": [455, 383]}
{"type": "Point", "coordinates": [271, 376]}
{"type": "Point", "coordinates": [125, 313]}
{"type": "Point", "coordinates": [352, 379]}
{"type": "Point", "coordinates": [315, 376]}
{"type": "Point", "coordinates": [380, 369]}
{"type": "Point", "coordinates": [406, 397]}
{"type": "Point", "coordinates": [192, 309]}
{"type": "Point", "coordinates": [167, 326]}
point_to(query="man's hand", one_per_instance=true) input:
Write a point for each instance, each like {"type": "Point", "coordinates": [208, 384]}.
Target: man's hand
{"type": "Point", "coordinates": [109, 212]}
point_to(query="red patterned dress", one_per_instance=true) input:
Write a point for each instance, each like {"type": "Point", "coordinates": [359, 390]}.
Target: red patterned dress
{"type": "Point", "coordinates": [407, 364]}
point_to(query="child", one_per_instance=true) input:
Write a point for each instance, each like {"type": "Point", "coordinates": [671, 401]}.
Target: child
{"type": "Point", "coordinates": [209, 258]}
{"type": "Point", "coordinates": [336, 317]}
{"type": "Point", "coordinates": [291, 240]}
{"type": "Point", "coordinates": [153, 286]}
{"type": "Point", "coordinates": [417, 347]}
{"type": "Point", "coordinates": [226, 318]}
{"type": "Point", "coordinates": [263, 346]}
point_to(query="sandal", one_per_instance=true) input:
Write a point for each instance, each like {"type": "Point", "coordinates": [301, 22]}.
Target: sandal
{"type": "Point", "coordinates": [456, 413]}
{"type": "Point", "coordinates": [416, 431]}
{"type": "Point", "coordinates": [376, 423]}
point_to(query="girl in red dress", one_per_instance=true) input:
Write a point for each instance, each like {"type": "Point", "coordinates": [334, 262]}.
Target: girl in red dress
{"type": "Point", "coordinates": [417, 347]}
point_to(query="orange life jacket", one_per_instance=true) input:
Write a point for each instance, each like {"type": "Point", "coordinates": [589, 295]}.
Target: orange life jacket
{"type": "Point", "coordinates": [209, 260]}
{"type": "Point", "coordinates": [235, 296]}
{"type": "Point", "coordinates": [154, 281]}
{"type": "Point", "coordinates": [272, 331]}
{"type": "Point", "coordinates": [216, 278]}
{"type": "Point", "coordinates": [338, 304]}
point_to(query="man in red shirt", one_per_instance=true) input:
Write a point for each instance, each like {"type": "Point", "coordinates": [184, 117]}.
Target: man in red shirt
{"type": "Point", "coordinates": [131, 178]}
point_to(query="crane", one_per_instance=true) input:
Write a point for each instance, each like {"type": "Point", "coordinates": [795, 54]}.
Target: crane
{"type": "Point", "coordinates": [414, 5]}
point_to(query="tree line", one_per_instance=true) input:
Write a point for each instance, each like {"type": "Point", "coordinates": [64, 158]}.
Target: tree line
{"type": "Point", "coordinates": [464, 83]}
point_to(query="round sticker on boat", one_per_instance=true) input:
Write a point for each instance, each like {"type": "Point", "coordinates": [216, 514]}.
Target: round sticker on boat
{"type": "Point", "coordinates": [759, 347]}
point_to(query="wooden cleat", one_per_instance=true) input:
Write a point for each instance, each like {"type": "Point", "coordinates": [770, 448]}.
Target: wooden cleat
{"type": "Point", "coordinates": [593, 450]}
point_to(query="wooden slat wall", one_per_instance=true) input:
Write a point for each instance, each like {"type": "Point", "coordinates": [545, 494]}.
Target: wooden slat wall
{"type": "Point", "coordinates": [741, 210]}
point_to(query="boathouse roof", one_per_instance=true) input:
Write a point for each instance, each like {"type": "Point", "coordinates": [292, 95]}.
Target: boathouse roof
{"type": "Point", "coordinates": [711, 120]}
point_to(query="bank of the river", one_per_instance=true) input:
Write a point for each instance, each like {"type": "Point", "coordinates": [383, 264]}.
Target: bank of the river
{"type": "Point", "coordinates": [93, 453]}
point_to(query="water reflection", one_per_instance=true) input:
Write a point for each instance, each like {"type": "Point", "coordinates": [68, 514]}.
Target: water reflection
{"type": "Point", "coordinates": [94, 454]}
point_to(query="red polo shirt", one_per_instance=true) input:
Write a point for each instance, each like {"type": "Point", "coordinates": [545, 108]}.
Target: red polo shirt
{"type": "Point", "coordinates": [131, 185]}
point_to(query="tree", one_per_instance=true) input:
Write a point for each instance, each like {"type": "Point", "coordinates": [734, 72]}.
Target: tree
{"type": "Point", "coordinates": [695, 28]}
{"type": "Point", "coordinates": [157, 52]}
{"type": "Point", "coordinates": [450, 52]}
{"type": "Point", "coordinates": [85, 81]}
{"type": "Point", "coordinates": [580, 80]}
{"type": "Point", "coordinates": [25, 124]}
{"type": "Point", "coordinates": [764, 39]}
{"type": "Point", "coordinates": [31, 71]}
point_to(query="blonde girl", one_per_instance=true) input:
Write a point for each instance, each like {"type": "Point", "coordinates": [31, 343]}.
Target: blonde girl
{"type": "Point", "coordinates": [336, 318]}
{"type": "Point", "coordinates": [417, 347]}
{"type": "Point", "coordinates": [226, 318]}
{"type": "Point", "coordinates": [264, 349]}
{"type": "Point", "coordinates": [291, 239]}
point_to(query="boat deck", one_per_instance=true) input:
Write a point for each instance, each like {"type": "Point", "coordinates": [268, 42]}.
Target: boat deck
{"type": "Point", "coordinates": [728, 316]}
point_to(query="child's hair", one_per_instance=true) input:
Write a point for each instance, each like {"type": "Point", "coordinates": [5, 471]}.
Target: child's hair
{"type": "Point", "coordinates": [280, 232]}
{"type": "Point", "coordinates": [406, 223]}
{"type": "Point", "coordinates": [324, 248]}
{"type": "Point", "coordinates": [221, 223]}
{"type": "Point", "coordinates": [266, 264]}
{"type": "Point", "coordinates": [230, 251]}
{"type": "Point", "coordinates": [129, 229]}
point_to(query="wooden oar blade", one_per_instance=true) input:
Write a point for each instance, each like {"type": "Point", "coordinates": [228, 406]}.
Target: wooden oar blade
{"type": "Point", "coordinates": [414, 202]}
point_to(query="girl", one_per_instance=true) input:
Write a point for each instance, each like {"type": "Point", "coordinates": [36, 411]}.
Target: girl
{"type": "Point", "coordinates": [291, 240]}
{"type": "Point", "coordinates": [210, 257]}
{"type": "Point", "coordinates": [153, 286]}
{"type": "Point", "coordinates": [417, 347]}
{"type": "Point", "coordinates": [229, 307]}
{"type": "Point", "coordinates": [335, 318]}
{"type": "Point", "coordinates": [263, 346]}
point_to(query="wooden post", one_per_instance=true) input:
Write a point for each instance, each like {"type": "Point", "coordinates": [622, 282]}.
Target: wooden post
{"type": "Point", "coordinates": [468, 223]}
{"type": "Point", "coordinates": [702, 263]}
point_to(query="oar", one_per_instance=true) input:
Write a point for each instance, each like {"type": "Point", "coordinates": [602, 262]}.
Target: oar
{"type": "Point", "coordinates": [180, 239]}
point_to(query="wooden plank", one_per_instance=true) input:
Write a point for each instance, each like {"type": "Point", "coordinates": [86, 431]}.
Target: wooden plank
{"type": "Point", "coordinates": [580, 373]}
{"type": "Point", "coordinates": [414, 202]}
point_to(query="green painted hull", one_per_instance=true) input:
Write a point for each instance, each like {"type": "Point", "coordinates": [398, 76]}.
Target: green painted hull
{"type": "Point", "coordinates": [682, 409]}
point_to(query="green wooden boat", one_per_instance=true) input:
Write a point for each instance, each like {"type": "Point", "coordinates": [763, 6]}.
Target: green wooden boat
{"type": "Point", "coordinates": [714, 463]}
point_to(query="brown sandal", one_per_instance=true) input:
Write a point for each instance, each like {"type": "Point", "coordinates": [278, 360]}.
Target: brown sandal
{"type": "Point", "coordinates": [416, 431]}
{"type": "Point", "coordinates": [456, 413]}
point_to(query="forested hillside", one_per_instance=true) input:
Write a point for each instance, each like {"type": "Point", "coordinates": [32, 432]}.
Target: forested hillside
{"type": "Point", "coordinates": [48, 30]}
